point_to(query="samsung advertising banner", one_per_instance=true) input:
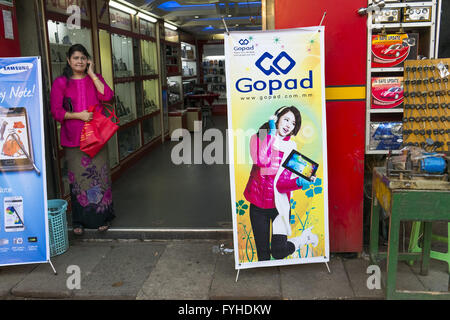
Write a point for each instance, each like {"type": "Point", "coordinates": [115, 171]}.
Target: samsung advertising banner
{"type": "Point", "coordinates": [23, 191]}
{"type": "Point", "coordinates": [277, 146]}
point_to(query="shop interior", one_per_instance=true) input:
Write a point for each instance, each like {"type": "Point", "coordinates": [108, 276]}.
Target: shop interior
{"type": "Point", "coordinates": [158, 57]}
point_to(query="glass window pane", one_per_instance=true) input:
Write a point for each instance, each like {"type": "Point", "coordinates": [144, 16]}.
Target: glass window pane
{"type": "Point", "coordinates": [174, 89]}
{"type": "Point", "coordinates": [122, 48]}
{"type": "Point", "coordinates": [129, 141]}
{"type": "Point", "coordinates": [106, 56]}
{"type": "Point", "coordinates": [149, 58]}
{"type": "Point", "coordinates": [112, 151]}
{"type": "Point", "coordinates": [125, 102]}
{"type": "Point", "coordinates": [151, 97]}
{"type": "Point", "coordinates": [151, 128]}
{"type": "Point", "coordinates": [147, 28]}
{"type": "Point", "coordinates": [61, 39]}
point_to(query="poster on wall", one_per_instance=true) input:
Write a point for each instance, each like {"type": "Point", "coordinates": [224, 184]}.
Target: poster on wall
{"type": "Point", "coordinates": [277, 146]}
{"type": "Point", "coordinates": [23, 190]}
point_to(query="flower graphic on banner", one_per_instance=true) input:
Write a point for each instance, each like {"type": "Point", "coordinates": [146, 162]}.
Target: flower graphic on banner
{"type": "Point", "coordinates": [241, 206]}
{"type": "Point", "coordinates": [314, 188]}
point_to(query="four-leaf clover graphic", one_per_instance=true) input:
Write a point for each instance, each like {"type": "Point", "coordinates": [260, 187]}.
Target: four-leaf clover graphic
{"type": "Point", "coordinates": [241, 206]}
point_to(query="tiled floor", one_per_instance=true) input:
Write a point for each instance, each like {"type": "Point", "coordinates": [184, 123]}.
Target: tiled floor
{"type": "Point", "coordinates": [155, 193]}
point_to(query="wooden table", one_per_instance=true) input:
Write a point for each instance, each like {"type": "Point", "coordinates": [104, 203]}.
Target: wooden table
{"type": "Point", "coordinates": [402, 204]}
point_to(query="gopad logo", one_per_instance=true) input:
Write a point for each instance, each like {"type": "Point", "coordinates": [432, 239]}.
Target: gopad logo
{"type": "Point", "coordinates": [16, 68]}
{"type": "Point", "coordinates": [244, 46]}
{"type": "Point", "coordinates": [275, 66]}
{"type": "Point", "coordinates": [282, 64]}
{"type": "Point", "coordinates": [243, 42]}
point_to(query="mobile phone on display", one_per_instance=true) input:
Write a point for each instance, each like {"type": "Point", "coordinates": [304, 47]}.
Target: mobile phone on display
{"type": "Point", "coordinates": [16, 148]}
{"type": "Point", "coordinates": [301, 165]}
{"type": "Point", "coordinates": [13, 214]}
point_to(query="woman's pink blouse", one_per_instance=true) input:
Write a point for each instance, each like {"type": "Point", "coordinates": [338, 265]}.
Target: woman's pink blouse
{"type": "Point", "coordinates": [83, 94]}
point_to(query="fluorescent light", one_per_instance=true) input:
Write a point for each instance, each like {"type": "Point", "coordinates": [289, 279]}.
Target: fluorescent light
{"type": "Point", "coordinates": [170, 26]}
{"type": "Point", "coordinates": [121, 7]}
{"type": "Point", "coordinates": [146, 17]}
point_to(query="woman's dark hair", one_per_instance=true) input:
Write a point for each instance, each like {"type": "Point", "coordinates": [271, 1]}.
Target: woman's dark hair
{"type": "Point", "coordinates": [67, 72]}
{"type": "Point", "coordinates": [279, 113]}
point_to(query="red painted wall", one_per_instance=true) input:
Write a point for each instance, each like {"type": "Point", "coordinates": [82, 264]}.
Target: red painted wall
{"type": "Point", "coordinates": [345, 65]}
{"type": "Point", "coordinates": [9, 48]}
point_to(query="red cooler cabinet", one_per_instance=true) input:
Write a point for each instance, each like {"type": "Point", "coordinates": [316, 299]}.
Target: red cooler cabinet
{"type": "Point", "coordinates": [9, 33]}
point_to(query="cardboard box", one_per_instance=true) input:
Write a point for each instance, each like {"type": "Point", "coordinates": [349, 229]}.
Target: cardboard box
{"type": "Point", "coordinates": [391, 50]}
{"type": "Point", "coordinates": [387, 92]}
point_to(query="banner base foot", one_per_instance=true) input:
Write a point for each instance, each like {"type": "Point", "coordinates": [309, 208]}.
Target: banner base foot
{"type": "Point", "coordinates": [329, 271]}
{"type": "Point", "coordinates": [51, 265]}
{"type": "Point", "coordinates": [237, 275]}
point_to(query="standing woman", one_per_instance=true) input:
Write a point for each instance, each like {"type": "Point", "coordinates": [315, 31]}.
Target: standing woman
{"type": "Point", "coordinates": [269, 186]}
{"type": "Point", "coordinates": [90, 180]}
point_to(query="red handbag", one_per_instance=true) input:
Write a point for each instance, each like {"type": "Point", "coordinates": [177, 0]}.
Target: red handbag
{"type": "Point", "coordinates": [96, 133]}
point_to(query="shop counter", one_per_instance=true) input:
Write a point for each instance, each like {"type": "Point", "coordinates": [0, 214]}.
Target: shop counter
{"type": "Point", "coordinates": [177, 120]}
{"type": "Point", "coordinates": [193, 114]}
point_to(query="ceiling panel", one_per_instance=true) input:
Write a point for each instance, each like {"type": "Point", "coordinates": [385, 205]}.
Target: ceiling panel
{"type": "Point", "coordinates": [204, 17]}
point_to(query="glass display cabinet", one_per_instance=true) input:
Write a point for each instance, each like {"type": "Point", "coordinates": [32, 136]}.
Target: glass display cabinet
{"type": "Point", "coordinates": [151, 128]}
{"type": "Point", "coordinates": [174, 91]}
{"type": "Point", "coordinates": [147, 28]}
{"type": "Point", "coordinates": [61, 38]}
{"type": "Point", "coordinates": [149, 58]}
{"type": "Point", "coordinates": [151, 96]}
{"type": "Point", "coordinates": [129, 141]}
{"type": "Point", "coordinates": [188, 60]}
{"type": "Point", "coordinates": [125, 102]}
{"type": "Point", "coordinates": [122, 56]}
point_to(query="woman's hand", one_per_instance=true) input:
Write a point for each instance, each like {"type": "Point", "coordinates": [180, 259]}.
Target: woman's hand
{"type": "Point", "coordinates": [90, 69]}
{"type": "Point", "coordinates": [303, 183]}
{"type": "Point", "coordinates": [85, 115]}
{"type": "Point", "coordinates": [272, 125]}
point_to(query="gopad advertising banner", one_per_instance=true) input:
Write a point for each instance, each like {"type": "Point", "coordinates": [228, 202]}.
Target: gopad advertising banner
{"type": "Point", "coordinates": [23, 191]}
{"type": "Point", "coordinates": [277, 146]}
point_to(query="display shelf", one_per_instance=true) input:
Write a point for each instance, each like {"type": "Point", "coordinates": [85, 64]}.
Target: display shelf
{"type": "Point", "coordinates": [214, 75]}
{"type": "Point", "coordinates": [393, 110]}
{"type": "Point", "coordinates": [426, 44]}
{"type": "Point", "coordinates": [402, 24]}
{"type": "Point", "coordinates": [387, 70]}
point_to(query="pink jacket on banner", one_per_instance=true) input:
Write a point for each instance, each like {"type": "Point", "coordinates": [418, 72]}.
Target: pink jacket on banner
{"type": "Point", "coordinates": [83, 94]}
{"type": "Point", "coordinates": [266, 162]}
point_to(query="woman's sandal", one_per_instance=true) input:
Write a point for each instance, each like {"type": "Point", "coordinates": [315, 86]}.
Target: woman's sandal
{"type": "Point", "coordinates": [79, 231]}
{"type": "Point", "coordinates": [104, 228]}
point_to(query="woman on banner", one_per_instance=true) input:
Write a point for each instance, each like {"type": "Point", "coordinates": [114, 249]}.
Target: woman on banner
{"type": "Point", "coordinates": [90, 180]}
{"type": "Point", "coordinates": [270, 185]}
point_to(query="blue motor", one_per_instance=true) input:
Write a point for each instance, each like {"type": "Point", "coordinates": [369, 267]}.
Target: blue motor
{"type": "Point", "coordinates": [433, 164]}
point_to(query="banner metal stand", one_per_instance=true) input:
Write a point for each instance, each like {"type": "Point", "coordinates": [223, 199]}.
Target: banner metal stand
{"type": "Point", "coordinates": [329, 271]}
{"type": "Point", "coordinates": [51, 265]}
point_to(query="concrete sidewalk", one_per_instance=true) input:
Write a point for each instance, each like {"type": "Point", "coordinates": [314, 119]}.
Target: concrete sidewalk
{"type": "Point", "coordinates": [195, 270]}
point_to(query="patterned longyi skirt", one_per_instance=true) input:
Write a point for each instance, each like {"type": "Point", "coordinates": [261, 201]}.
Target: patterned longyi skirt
{"type": "Point", "coordinates": [90, 188]}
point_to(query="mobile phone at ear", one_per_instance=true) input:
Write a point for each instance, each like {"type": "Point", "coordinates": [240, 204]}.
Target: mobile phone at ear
{"type": "Point", "coordinates": [88, 66]}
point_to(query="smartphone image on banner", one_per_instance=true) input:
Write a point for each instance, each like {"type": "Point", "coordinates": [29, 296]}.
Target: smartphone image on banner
{"type": "Point", "coordinates": [16, 148]}
{"type": "Point", "coordinates": [13, 213]}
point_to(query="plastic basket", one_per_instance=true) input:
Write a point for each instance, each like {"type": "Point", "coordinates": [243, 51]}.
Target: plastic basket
{"type": "Point", "coordinates": [57, 225]}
